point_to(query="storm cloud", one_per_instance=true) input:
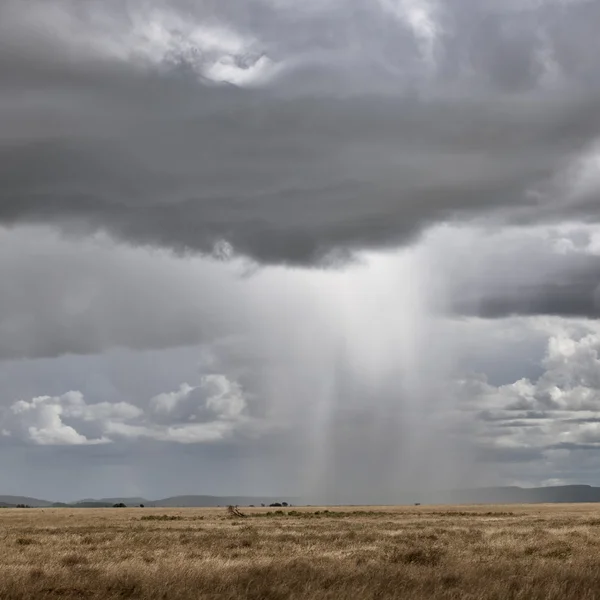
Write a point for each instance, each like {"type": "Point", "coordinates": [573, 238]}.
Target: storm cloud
{"type": "Point", "coordinates": [293, 134]}
{"type": "Point", "coordinates": [535, 271]}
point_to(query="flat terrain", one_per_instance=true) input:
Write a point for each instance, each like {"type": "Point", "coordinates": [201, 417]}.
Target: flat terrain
{"type": "Point", "coordinates": [528, 552]}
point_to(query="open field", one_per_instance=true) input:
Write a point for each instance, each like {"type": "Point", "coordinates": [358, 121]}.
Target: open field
{"type": "Point", "coordinates": [528, 552]}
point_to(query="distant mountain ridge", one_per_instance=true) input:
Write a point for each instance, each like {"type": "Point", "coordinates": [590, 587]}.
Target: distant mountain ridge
{"type": "Point", "coordinates": [518, 495]}
{"type": "Point", "coordinates": [192, 501]}
{"type": "Point", "coordinates": [491, 495]}
{"type": "Point", "coordinates": [9, 501]}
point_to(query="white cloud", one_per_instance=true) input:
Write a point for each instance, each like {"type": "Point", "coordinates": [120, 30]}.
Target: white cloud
{"type": "Point", "coordinates": [212, 411]}
{"type": "Point", "coordinates": [560, 409]}
{"type": "Point", "coordinates": [225, 398]}
{"type": "Point", "coordinates": [216, 396]}
{"type": "Point", "coordinates": [167, 402]}
{"type": "Point", "coordinates": [41, 420]}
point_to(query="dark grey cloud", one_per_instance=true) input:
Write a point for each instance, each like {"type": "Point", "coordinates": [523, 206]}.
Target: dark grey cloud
{"type": "Point", "coordinates": [569, 298]}
{"type": "Point", "coordinates": [350, 136]}
{"type": "Point", "coordinates": [524, 417]}
{"type": "Point", "coordinates": [574, 293]}
{"type": "Point", "coordinates": [70, 296]}
{"type": "Point", "coordinates": [509, 455]}
{"type": "Point", "coordinates": [553, 271]}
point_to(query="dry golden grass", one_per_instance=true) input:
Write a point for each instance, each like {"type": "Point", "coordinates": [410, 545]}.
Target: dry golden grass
{"type": "Point", "coordinates": [528, 552]}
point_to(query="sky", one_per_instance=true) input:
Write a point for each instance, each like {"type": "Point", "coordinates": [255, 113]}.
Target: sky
{"type": "Point", "coordinates": [337, 249]}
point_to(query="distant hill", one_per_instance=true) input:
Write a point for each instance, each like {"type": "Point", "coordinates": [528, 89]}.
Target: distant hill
{"type": "Point", "coordinates": [518, 495]}
{"type": "Point", "coordinates": [171, 502]}
{"type": "Point", "coordinates": [180, 501]}
{"type": "Point", "coordinates": [492, 495]}
{"type": "Point", "coordinates": [199, 501]}
{"type": "Point", "coordinates": [14, 500]}
{"type": "Point", "coordinates": [184, 501]}
{"type": "Point", "coordinates": [134, 501]}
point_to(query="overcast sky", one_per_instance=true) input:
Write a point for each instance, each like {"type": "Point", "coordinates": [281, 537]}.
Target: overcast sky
{"type": "Point", "coordinates": [332, 248]}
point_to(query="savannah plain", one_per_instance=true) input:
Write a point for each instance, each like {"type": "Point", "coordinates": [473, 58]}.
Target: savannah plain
{"type": "Point", "coordinates": [471, 552]}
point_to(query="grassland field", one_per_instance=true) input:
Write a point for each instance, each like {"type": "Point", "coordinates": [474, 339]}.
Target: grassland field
{"type": "Point", "coordinates": [471, 552]}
